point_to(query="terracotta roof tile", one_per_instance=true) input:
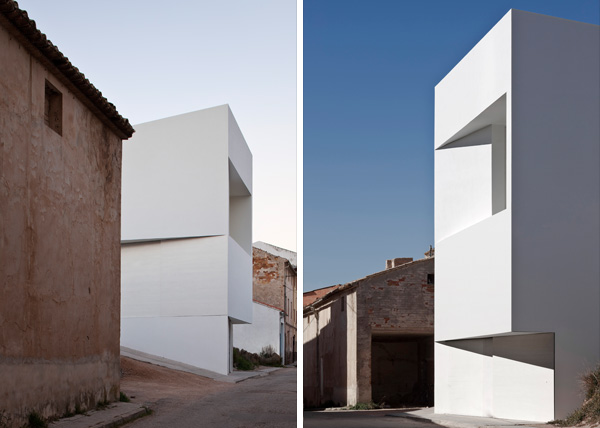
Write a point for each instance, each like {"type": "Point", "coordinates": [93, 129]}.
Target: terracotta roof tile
{"type": "Point", "coordinates": [310, 297]}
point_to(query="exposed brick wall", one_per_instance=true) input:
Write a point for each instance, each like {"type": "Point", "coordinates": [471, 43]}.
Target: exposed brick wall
{"type": "Point", "coordinates": [397, 301]}
{"type": "Point", "coordinates": [268, 275]}
{"type": "Point", "coordinates": [274, 283]}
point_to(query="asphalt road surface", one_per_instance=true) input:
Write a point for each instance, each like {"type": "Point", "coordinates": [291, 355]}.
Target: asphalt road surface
{"type": "Point", "coordinates": [361, 419]}
{"type": "Point", "coordinates": [184, 400]}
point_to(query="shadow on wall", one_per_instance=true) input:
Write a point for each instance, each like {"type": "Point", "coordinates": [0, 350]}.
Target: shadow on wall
{"type": "Point", "coordinates": [536, 349]}
{"type": "Point", "coordinates": [402, 370]}
{"type": "Point", "coordinates": [326, 358]}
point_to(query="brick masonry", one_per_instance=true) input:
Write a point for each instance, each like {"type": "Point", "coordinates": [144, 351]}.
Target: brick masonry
{"type": "Point", "coordinates": [274, 283]}
{"type": "Point", "coordinates": [396, 302]}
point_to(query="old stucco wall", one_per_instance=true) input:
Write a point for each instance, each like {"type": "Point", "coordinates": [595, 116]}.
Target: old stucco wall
{"type": "Point", "coordinates": [268, 275]}
{"type": "Point", "coordinates": [59, 247]}
{"type": "Point", "coordinates": [291, 318]}
{"type": "Point", "coordinates": [330, 352]}
{"type": "Point", "coordinates": [274, 283]}
{"type": "Point", "coordinates": [397, 301]}
{"type": "Point", "coordinates": [338, 332]}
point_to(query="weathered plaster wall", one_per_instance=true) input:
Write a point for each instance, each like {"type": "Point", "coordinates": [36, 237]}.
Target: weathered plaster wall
{"type": "Point", "coordinates": [268, 276]}
{"type": "Point", "coordinates": [330, 352]}
{"type": "Point", "coordinates": [396, 301]}
{"type": "Point", "coordinates": [274, 283]}
{"type": "Point", "coordinates": [59, 247]}
{"type": "Point", "coordinates": [292, 317]}
{"type": "Point", "coordinates": [393, 304]}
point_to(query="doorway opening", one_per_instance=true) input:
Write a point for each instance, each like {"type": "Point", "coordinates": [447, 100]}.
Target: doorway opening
{"type": "Point", "coordinates": [402, 370]}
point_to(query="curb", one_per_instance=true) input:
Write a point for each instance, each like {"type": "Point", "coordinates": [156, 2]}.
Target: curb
{"type": "Point", "coordinates": [123, 419]}
{"type": "Point", "coordinates": [111, 417]}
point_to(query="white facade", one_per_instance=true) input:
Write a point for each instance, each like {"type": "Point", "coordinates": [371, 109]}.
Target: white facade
{"type": "Point", "coordinates": [517, 209]}
{"type": "Point", "coordinates": [266, 330]}
{"type": "Point", "coordinates": [186, 256]}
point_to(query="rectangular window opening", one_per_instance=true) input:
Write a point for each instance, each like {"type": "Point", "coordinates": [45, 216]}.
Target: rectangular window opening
{"type": "Point", "coordinates": [430, 278]}
{"type": "Point", "coordinates": [53, 108]}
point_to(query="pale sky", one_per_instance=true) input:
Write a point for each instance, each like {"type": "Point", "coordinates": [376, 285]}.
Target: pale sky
{"type": "Point", "coordinates": [155, 60]}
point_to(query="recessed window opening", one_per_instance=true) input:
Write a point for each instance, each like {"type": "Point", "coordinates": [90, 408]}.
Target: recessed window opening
{"type": "Point", "coordinates": [53, 108]}
{"type": "Point", "coordinates": [430, 278]}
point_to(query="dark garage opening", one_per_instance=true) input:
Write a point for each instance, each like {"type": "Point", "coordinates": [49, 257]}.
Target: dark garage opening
{"type": "Point", "coordinates": [402, 370]}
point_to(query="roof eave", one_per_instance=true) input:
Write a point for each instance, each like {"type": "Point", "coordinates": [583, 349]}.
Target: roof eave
{"type": "Point", "coordinates": [24, 30]}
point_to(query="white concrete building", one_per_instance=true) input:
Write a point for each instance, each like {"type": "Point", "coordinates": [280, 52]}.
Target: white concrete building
{"type": "Point", "coordinates": [517, 218]}
{"type": "Point", "coordinates": [187, 238]}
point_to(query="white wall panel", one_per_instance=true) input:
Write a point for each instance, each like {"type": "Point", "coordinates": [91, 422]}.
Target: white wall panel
{"type": "Point", "coordinates": [463, 383]}
{"type": "Point", "coordinates": [239, 153]}
{"type": "Point", "coordinates": [175, 177]}
{"type": "Point", "coordinates": [556, 175]}
{"type": "Point", "coordinates": [239, 283]}
{"type": "Point", "coordinates": [264, 330]}
{"type": "Point", "coordinates": [198, 341]}
{"type": "Point", "coordinates": [475, 83]}
{"type": "Point", "coordinates": [179, 277]}
{"type": "Point", "coordinates": [473, 281]}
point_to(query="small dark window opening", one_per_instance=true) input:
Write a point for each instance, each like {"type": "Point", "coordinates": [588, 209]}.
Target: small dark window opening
{"type": "Point", "coordinates": [53, 108]}
{"type": "Point", "coordinates": [430, 278]}
{"type": "Point", "coordinates": [343, 300]}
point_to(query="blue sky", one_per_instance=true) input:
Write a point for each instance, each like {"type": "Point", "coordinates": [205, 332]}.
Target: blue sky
{"type": "Point", "coordinates": [370, 68]}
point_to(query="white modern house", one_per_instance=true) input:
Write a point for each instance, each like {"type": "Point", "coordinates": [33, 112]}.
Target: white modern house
{"type": "Point", "coordinates": [517, 219]}
{"type": "Point", "coordinates": [187, 238]}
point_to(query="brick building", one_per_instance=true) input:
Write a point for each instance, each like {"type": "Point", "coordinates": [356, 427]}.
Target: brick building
{"type": "Point", "coordinates": [372, 339]}
{"type": "Point", "coordinates": [60, 205]}
{"type": "Point", "coordinates": [274, 286]}
{"type": "Point", "coordinates": [311, 296]}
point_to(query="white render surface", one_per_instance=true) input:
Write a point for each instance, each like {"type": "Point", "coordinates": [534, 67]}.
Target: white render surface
{"type": "Point", "coordinates": [197, 341]}
{"type": "Point", "coordinates": [186, 253]}
{"type": "Point", "coordinates": [490, 375]}
{"type": "Point", "coordinates": [174, 278]}
{"type": "Point", "coordinates": [239, 298]}
{"type": "Point", "coordinates": [265, 330]}
{"type": "Point", "coordinates": [517, 196]}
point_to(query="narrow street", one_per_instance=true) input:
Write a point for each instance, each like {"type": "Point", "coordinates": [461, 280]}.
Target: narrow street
{"type": "Point", "coordinates": [185, 400]}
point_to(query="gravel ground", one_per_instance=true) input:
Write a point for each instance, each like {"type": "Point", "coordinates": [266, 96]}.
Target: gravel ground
{"type": "Point", "coordinates": [185, 400]}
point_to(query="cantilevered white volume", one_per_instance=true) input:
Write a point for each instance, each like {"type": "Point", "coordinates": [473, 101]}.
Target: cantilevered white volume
{"type": "Point", "coordinates": [186, 251]}
{"type": "Point", "coordinates": [517, 219]}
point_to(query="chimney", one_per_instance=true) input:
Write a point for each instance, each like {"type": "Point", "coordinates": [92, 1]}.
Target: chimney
{"type": "Point", "coordinates": [397, 262]}
{"type": "Point", "coordinates": [430, 253]}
